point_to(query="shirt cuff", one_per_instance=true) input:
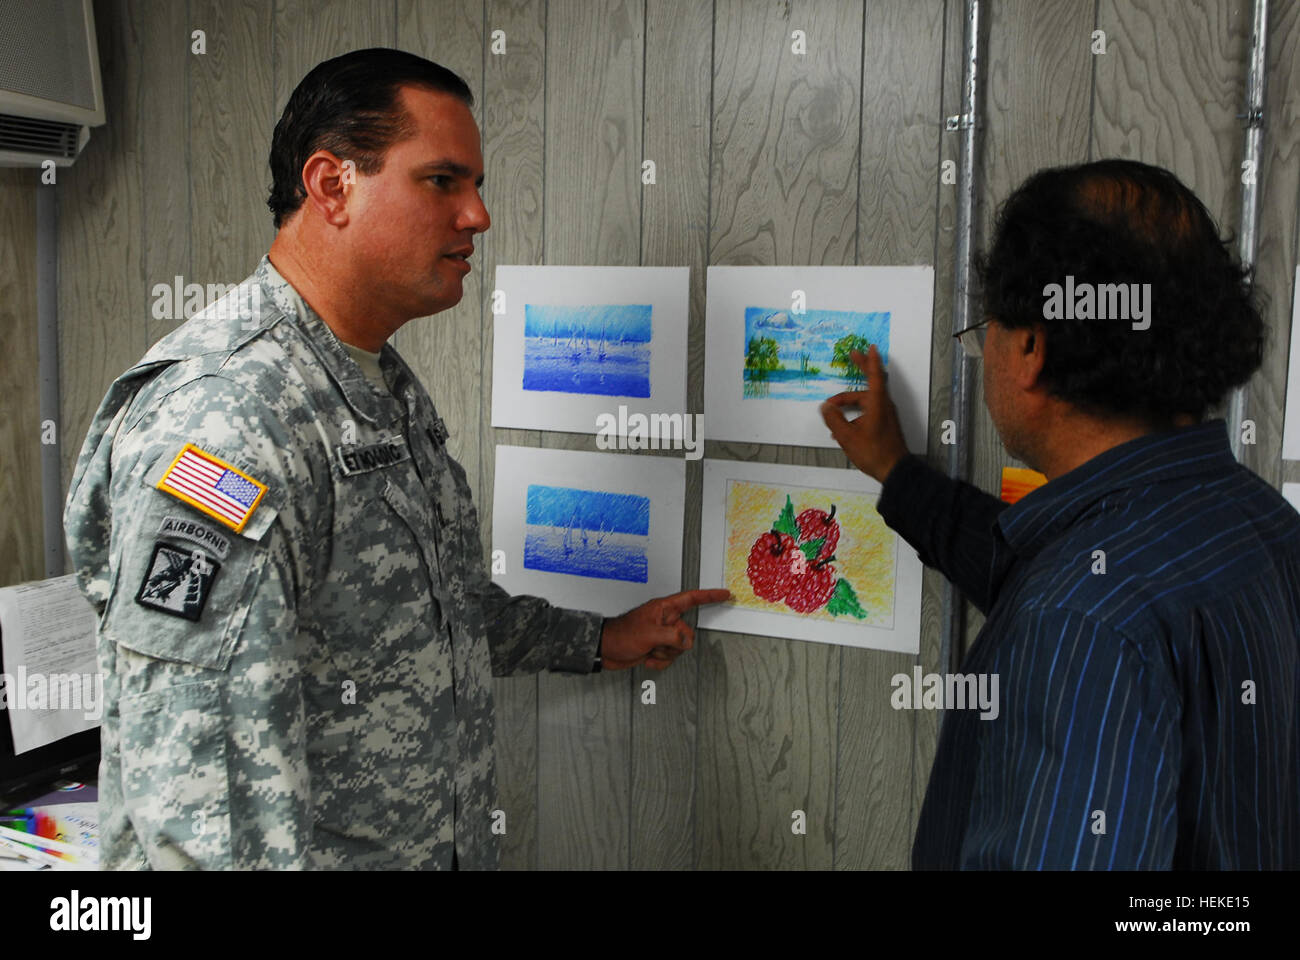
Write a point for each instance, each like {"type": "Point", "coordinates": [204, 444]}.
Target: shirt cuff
{"type": "Point", "coordinates": [911, 482]}
{"type": "Point", "coordinates": [577, 638]}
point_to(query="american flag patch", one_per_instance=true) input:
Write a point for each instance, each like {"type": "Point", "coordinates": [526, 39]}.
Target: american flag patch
{"type": "Point", "coordinates": [212, 485]}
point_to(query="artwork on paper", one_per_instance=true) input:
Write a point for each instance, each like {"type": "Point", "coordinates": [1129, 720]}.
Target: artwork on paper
{"type": "Point", "coordinates": [1291, 409]}
{"type": "Point", "coordinates": [587, 533]}
{"type": "Point", "coordinates": [576, 348]}
{"type": "Point", "coordinates": [779, 340]}
{"type": "Point", "coordinates": [790, 356]}
{"type": "Point", "coordinates": [590, 531]}
{"type": "Point", "coordinates": [806, 556]}
{"type": "Point", "coordinates": [1292, 493]}
{"type": "Point", "coordinates": [600, 349]}
{"type": "Point", "coordinates": [808, 552]}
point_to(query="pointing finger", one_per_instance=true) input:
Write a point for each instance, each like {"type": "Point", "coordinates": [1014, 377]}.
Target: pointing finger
{"type": "Point", "coordinates": [681, 602]}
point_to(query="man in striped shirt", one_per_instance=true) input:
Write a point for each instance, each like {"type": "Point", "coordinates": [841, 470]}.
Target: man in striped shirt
{"type": "Point", "coordinates": [1143, 607]}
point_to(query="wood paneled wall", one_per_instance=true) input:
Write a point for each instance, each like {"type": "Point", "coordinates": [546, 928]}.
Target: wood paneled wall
{"type": "Point", "coordinates": [763, 157]}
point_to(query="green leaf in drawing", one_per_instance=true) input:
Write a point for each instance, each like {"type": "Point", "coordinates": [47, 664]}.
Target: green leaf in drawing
{"type": "Point", "coordinates": [844, 601]}
{"type": "Point", "coordinates": [786, 523]}
{"type": "Point", "coordinates": [811, 548]}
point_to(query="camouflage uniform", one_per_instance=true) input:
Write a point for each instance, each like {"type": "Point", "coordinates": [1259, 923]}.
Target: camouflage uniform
{"type": "Point", "coordinates": [305, 684]}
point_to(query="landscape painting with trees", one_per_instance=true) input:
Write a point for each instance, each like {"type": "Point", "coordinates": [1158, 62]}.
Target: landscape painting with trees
{"type": "Point", "coordinates": [806, 356]}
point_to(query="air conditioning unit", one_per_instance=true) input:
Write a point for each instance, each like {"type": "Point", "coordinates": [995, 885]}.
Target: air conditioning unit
{"type": "Point", "coordinates": [50, 90]}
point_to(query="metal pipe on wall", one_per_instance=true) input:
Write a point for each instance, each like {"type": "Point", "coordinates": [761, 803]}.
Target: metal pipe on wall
{"type": "Point", "coordinates": [1248, 236]}
{"type": "Point", "coordinates": [47, 337]}
{"type": "Point", "coordinates": [967, 122]}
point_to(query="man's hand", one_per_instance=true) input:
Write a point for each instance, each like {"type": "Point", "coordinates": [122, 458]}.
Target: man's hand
{"type": "Point", "coordinates": [654, 633]}
{"type": "Point", "coordinates": [874, 441]}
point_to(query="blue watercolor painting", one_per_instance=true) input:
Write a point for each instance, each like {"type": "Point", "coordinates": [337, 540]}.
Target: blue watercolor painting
{"type": "Point", "coordinates": [587, 533]}
{"type": "Point", "coordinates": [603, 349]}
{"type": "Point", "coordinates": [791, 356]}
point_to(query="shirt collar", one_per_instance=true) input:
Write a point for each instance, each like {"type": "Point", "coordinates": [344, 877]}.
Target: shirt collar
{"type": "Point", "coordinates": [1041, 515]}
{"type": "Point", "coordinates": [362, 396]}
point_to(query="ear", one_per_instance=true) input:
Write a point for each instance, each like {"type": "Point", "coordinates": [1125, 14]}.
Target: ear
{"type": "Point", "coordinates": [327, 187]}
{"type": "Point", "coordinates": [1029, 355]}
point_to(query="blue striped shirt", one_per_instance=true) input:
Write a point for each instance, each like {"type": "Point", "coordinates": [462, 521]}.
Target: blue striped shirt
{"type": "Point", "coordinates": [1143, 619]}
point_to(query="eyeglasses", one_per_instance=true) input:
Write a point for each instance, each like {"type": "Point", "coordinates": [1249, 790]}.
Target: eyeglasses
{"type": "Point", "coordinates": [972, 338]}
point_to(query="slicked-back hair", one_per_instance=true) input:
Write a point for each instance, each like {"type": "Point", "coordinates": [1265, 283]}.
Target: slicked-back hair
{"type": "Point", "coordinates": [1120, 221]}
{"type": "Point", "coordinates": [350, 106]}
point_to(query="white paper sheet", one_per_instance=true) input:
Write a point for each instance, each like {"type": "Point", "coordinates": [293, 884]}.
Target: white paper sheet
{"type": "Point", "coordinates": [601, 338]}
{"type": "Point", "coordinates": [1291, 422]}
{"type": "Point", "coordinates": [1292, 492]}
{"type": "Point", "coordinates": [47, 639]}
{"type": "Point", "coordinates": [744, 503]}
{"type": "Point", "coordinates": [890, 306]}
{"type": "Point", "coordinates": [606, 530]}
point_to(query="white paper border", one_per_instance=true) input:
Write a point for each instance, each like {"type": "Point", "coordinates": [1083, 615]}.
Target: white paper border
{"type": "Point", "coordinates": [661, 479]}
{"type": "Point", "coordinates": [1291, 419]}
{"type": "Point", "coordinates": [906, 292]}
{"type": "Point", "coordinates": [1292, 493]}
{"type": "Point", "coordinates": [666, 289]}
{"type": "Point", "coordinates": [904, 637]}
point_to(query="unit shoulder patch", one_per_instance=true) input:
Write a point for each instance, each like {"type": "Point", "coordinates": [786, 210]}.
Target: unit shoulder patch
{"type": "Point", "coordinates": [177, 581]}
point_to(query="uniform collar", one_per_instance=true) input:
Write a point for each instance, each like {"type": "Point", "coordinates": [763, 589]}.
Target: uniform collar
{"type": "Point", "coordinates": [381, 409]}
{"type": "Point", "coordinates": [1041, 515]}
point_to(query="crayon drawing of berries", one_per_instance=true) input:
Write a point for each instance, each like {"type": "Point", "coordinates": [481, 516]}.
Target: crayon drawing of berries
{"type": "Point", "coordinates": [817, 525]}
{"type": "Point", "coordinates": [812, 590]}
{"type": "Point", "coordinates": [792, 564]}
{"type": "Point", "coordinates": [771, 569]}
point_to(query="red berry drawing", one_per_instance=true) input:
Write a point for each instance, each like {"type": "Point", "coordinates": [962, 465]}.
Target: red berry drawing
{"type": "Point", "coordinates": [792, 563]}
{"type": "Point", "coordinates": [817, 524]}
{"type": "Point", "coordinates": [812, 589]}
{"type": "Point", "coordinates": [774, 562]}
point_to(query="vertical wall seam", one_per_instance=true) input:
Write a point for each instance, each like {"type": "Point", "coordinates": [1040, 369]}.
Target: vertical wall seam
{"type": "Point", "coordinates": [189, 147]}
{"type": "Point", "coordinates": [862, 80]}
{"type": "Point", "coordinates": [1092, 94]}
{"type": "Point", "coordinates": [631, 691]}
{"type": "Point", "coordinates": [857, 261]}
{"type": "Point", "coordinates": [44, 205]}
{"type": "Point", "coordinates": [482, 300]}
{"type": "Point", "coordinates": [914, 805]}
{"type": "Point", "coordinates": [638, 163]}
{"type": "Point", "coordinates": [537, 683]}
{"type": "Point", "coordinates": [275, 51]}
{"type": "Point", "coordinates": [708, 256]}
{"type": "Point", "coordinates": [136, 128]}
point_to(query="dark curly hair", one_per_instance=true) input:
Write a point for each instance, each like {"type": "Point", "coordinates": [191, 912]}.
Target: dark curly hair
{"type": "Point", "coordinates": [349, 106]}
{"type": "Point", "coordinates": [1120, 221]}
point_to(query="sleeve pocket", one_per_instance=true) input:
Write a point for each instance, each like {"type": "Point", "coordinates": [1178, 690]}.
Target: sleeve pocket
{"type": "Point", "coordinates": [159, 605]}
{"type": "Point", "coordinates": [175, 784]}
{"type": "Point", "coordinates": [208, 642]}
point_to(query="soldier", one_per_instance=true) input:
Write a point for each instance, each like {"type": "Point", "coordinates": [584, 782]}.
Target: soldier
{"type": "Point", "coordinates": [296, 626]}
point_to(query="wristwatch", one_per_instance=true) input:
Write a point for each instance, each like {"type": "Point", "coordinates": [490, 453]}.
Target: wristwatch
{"type": "Point", "coordinates": [600, 640]}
